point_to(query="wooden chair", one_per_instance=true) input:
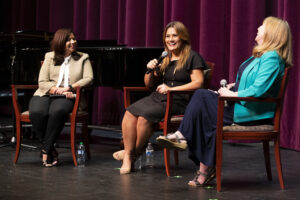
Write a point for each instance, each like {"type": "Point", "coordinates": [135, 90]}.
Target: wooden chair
{"type": "Point", "coordinates": [170, 122]}
{"type": "Point", "coordinates": [75, 117]}
{"type": "Point", "coordinates": [261, 133]}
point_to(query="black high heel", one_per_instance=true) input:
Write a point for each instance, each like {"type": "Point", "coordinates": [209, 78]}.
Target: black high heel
{"type": "Point", "coordinates": [55, 161]}
{"type": "Point", "coordinates": [48, 161]}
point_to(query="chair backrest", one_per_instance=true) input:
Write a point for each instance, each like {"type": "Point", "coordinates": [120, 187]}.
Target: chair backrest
{"type": "Point", "coordinates": [15, 88]}
{"type": "Point", "coordinates": [280, 97]}
{"type": "Point", "coordinates": [208, 74]}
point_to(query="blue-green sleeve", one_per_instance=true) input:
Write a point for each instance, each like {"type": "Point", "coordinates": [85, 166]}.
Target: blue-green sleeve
{"type": "Point", "coordinates": [268, 72]}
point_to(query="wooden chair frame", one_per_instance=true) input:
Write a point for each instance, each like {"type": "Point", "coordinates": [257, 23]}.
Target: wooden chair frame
{"type": "Point", "coordinates": [170, 122]}
{"type": "Point", "coordinates": [75, 117]}
{"type": "Point", "coordinates": [260, 136]}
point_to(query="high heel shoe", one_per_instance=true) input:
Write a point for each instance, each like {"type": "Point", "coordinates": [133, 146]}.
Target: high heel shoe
{"type": "Point", "coordinates": [119, 155]}
{"type": "Point", "coordinates": [209, 175]}
{"type": "Point", "coordinates": [55, 161]}
{"type": "Point", "coordinates": [128, 170]}
{"type": "Point", "coordinates": [48, 161]}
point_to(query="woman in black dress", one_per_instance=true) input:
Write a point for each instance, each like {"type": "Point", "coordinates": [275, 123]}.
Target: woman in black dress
{"type": "Point", "coordinates": [181, 69]}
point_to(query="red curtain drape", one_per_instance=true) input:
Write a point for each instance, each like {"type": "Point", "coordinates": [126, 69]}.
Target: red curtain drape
{"type": "Point", "coordinates": [221, 31]}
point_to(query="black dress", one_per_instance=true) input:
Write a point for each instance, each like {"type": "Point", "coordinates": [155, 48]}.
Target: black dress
{"type": "Point", "coordinates": [153, 107]}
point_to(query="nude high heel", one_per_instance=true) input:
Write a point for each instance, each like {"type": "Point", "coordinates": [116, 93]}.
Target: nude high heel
{"type": "Point", "coordinates": [119, 155]}
{"type": "Point", "coordinates": [128, 170]}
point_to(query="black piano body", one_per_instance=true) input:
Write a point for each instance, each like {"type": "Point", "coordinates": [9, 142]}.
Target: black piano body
{"type": "Point", "coordinates": [118, 66]}
{"type": "Point", "coordinates": [20, 54]}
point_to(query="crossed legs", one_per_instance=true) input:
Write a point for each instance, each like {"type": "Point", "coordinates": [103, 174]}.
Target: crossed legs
{"type": "Point", "coordinates": [48, 117]}
{"type": "Point", "coordinates": [136, 132]}
{"type": "Point", "coordinates": [204, 175]}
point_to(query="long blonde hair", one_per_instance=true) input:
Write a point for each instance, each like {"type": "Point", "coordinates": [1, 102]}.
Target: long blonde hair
{"type": "Point", "coordinates": [185, 48]}
{"type": "Point", "coordinates": [278, 37]}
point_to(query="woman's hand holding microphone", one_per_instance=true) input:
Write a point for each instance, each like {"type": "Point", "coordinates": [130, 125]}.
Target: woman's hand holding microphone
{"type": "Point", "coordinates": [152, 64]}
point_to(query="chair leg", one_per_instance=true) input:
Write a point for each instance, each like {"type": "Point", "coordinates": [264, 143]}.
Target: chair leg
{"type": "Point", "coordinates": [278, 162]}
{"type": "Point", "coordinates": [85, 133]}
{"type": "Point", "coordinates": [72, 135]}
{"type": "Point", "coordinates": [176, 158]}
{"type": "Point", "coordinates": [167, 161]}
{"type": "Point", "coordinates": [18, 140]}
{"type": "Point", "coordinates": [267, 159]}
{"type": "Point", "coordinates": [219, 146]}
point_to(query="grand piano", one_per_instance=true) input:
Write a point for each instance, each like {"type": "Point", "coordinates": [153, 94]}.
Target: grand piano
{"type": "Point", "coordinates": [114, 66]}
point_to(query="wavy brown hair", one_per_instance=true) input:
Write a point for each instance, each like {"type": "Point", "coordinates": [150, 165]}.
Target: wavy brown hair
{"type": "Point", "coordinates": [58, 45]}
{"type": "Point", "coordinates": [278, 37]}
{"type": "Point", "coordinates": [185, 47]}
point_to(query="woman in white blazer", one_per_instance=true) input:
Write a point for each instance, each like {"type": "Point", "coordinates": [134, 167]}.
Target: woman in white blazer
{"type": "Point", "coordinates": [63, 69]}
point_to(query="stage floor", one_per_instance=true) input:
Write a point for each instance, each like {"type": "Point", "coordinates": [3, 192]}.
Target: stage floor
{"type": "Point", "coordinates": [244, 176]}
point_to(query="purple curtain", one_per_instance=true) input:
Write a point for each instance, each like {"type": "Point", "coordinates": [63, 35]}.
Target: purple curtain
{"type": "Point", "coordinates": [222, 32]}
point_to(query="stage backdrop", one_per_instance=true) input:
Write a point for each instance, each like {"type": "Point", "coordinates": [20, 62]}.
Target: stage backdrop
{"type": "Point", "coordinates": [222, 31]}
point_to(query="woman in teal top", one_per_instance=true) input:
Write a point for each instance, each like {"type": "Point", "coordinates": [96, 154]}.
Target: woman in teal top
{"type": "Point", "coordinates": [258, 76]}
{"type": "Point", "coordinates": [261, 78]}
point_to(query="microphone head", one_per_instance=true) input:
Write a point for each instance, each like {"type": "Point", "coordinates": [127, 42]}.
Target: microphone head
{"type": "Point", "coordinates": [223, 82]}
{"type": "Point", "coordinates": [164, 54]}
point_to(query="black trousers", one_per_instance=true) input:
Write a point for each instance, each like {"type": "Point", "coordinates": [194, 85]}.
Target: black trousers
{"type": "Point", "coordinates": [48, 116]}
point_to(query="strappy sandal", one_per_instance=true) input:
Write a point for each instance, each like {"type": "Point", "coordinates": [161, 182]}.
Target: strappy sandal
{"type": "Point", "coordinates": [209, 176]}
{"type": "Point", "coordinates": [179, 144]}
{"type": "Point", "coordinates": [48, 161]}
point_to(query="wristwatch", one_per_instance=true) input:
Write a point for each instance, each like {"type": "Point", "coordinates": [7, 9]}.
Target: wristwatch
{"type": "Point", "coordinates": [71, 88]}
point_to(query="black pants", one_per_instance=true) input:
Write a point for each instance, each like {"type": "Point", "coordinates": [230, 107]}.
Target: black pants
{"type": "Point", "coordinates": [48, 116]}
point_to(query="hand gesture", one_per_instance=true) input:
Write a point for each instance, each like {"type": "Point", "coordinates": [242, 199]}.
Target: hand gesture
{"type": "Point", "coordinates": [162, 89]}
{"type": "Point", "coordinates": [223, 91]}
{"type": "Point", "coordinates": [69, 95]}
{"type": "Point", "coordinates": [230, 85]}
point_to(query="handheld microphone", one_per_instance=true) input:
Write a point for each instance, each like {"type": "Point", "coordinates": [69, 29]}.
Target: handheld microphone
{"type": "Point", "coordinates": [223, 83]}
{"type": "Point", "coordinates": [159, 60]}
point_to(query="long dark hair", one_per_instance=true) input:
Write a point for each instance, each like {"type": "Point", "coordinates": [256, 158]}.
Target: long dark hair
{"type": "Point", "coordinates": [58, 45]}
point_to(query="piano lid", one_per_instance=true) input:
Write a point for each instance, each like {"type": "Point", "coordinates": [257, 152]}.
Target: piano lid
{"type": "Point", "coordinates": [27, 35]}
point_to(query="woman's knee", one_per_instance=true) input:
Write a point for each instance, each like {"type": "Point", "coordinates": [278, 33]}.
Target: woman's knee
{"type": "Point", "coordinates": [129, 119]}
{"type": "Point", "coordinates": [38, 105]}
{"type": "Point", "coordinates": [60, 108]}
{"type": "Point", "coordinates": [200, 93]}
{"type": "Point", "coordinates": [143, 122]}
{"type": "Point", "coordinates": [38, 112]}
{"type": "Point", "coordinates": [59, 111]}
